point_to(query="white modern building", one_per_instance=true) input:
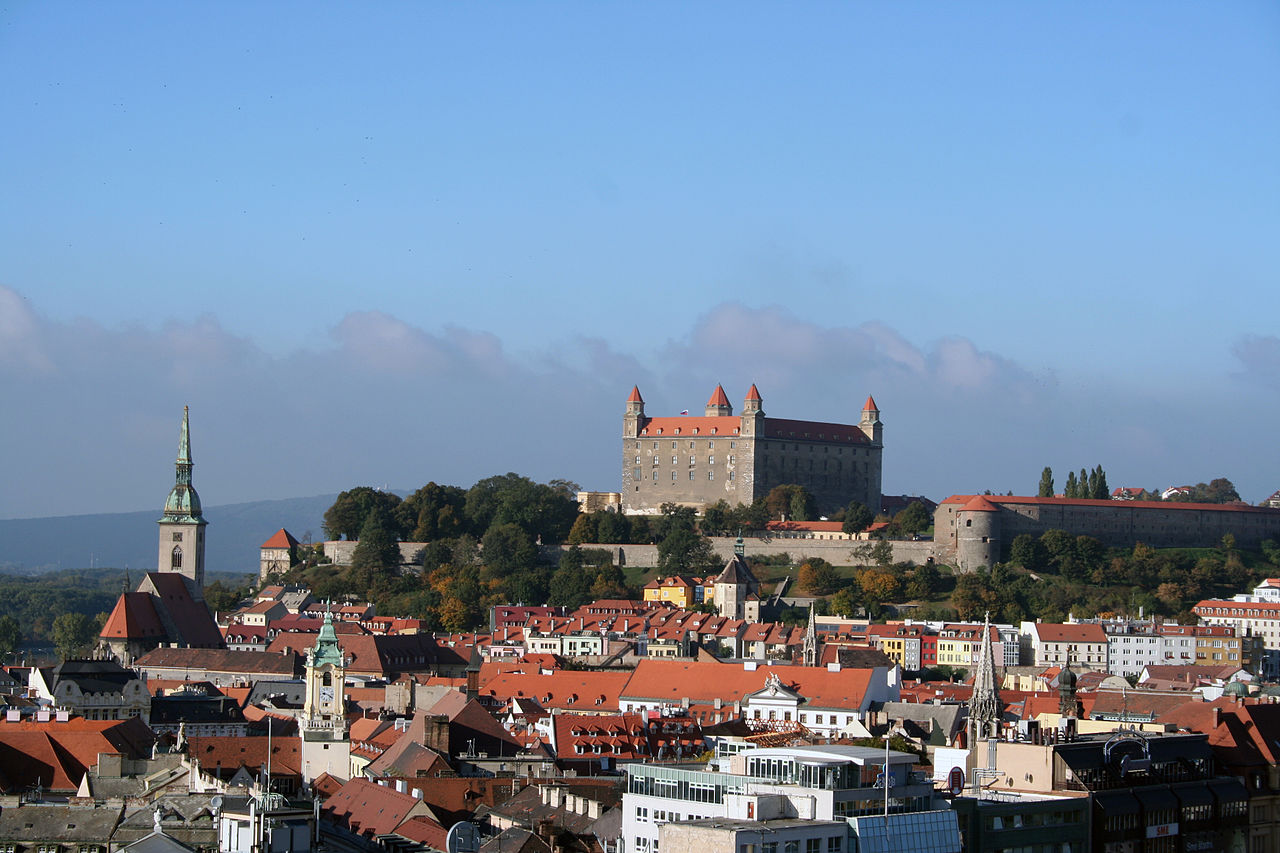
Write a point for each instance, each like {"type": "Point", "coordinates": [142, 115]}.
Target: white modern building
{"type": "Point", "coordinates": [811, 783]}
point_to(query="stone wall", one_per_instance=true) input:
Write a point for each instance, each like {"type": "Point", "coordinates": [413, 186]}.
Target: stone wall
{"type": "Point", "coordinates": [838, 553]}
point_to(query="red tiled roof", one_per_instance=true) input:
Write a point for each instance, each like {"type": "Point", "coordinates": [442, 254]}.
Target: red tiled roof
{"type": "Point", "coordinates": [192, 617]}
{"type": "Point", "coordinates": [280, 539]}
{"type": "Point", "coordinates": [56, 755]}
{"type": "Point", "coordinates": [718, 397]}
{"type": "Point", "coordinates": [1023, 500]}
{"type": "Point", "coordinates": [687, 425]}
{"type": "Point", "coordinates": [979, 503]}
{"type": "Point", "coordinates": [635, 395]}
{"type": "Point", "coordinates": [814, 526]}
{"type": "Point", "coordinates": [699, 681]}
{"type": "Point", "coordinates": [870, 405]}
{"type": "Point", "coordinates": [369, 809]}
{"type": "Point", "coordinates": [785, 428]}
{"type": "Point", "coordinates": [134, 617]}
{"type": "Point", "coordinates": [752, 393]}
{"type": "Point", "coordinates": [231, 753]}
{"type": "Point", "coordinates": [1071, 632]}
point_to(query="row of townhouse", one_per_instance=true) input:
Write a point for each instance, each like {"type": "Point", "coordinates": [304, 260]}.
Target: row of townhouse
{"type": "Point", "coordinates": [924, 645]}
{"type": "Point", "coordinates": [1118, 647]}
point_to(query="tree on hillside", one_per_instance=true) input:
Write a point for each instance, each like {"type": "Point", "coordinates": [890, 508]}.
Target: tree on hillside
{"type": "Point", "coordinates": [432, 512]}
{"type": "Point", "coordinates": [715, 518]}
{"type": "Point", "coordinates": [612, 528]}
{"type": "Point", "coordinates": [1101, 491]}
{"type": "Point", "coordinates": [543, 511]}
{"type": "Point", "coordinates": [857, 518]}
{"type": "Point", "coordinates": [377, 552]}
{"type": "Point", "coordinates": [71, 633]}
{"type": "Point", "coordinates": [351, 510]}
{"type": "Point", "coordinates": [681, 548]}
{"type": "Point", "coordinates": [1070, 490]}
{"type": "Point", "coordinates": [10, 636]}
{"type": "Point", "coordinates": [507, 549]}
{"type": "Point", "coordinates": [914, 519]}
{"type": "Point", "coordinates": [816, 576]}
{"type": "Point", "coordinates": [1216, 491]}
{"type": "Point", "coordinates": [583, 530]}
{"type": "Point", "coordinates": [1046, 482]}
{"type": "Point", "coordinates": [790, 501]}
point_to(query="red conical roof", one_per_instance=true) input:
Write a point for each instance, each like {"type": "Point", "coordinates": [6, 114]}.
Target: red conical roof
{"type": "Point", "coordinates": [635, 395]}
{"type": "Point", "coordinates": [753, 394]}
{"type": "Point", "coordinates": [871, 405]}
{"type": "Point", "coordinates": [979, 503]}
{"type": "Point", "coordinates": [718, 397]}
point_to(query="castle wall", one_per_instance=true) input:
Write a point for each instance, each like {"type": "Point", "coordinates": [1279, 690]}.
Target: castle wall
{"type": "Point", "coordinates": [839, 553]}
{"type": "Point", "coordinates": [1114, 523]}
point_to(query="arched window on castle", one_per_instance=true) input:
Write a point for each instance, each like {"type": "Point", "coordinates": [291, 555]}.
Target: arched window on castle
{"type": "Point", "coordinates": [175, 561]}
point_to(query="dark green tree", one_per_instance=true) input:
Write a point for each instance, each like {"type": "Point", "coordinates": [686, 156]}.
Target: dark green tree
{"type": "Point", "coordinates": [71, 633]}
{"type": "Point", "coordinates": [1026, 551]}
{"type": "Point", "coordinates": [882, 553]}
{"type": "Point", "coordinates": [1101, 491]}
{"type": "Point", "coordinates": [857, 518]}
{"type": "Point", "coordinates": [791, 501]}
{"type": "Point", "coordinates": [1046, 482]}
{"type": "Point", "coordinates": [377, 552]}
{"type": "Point", "coordinates": [507, 549]}
{"type": "Point", "coordinates": [1070, 490]}
{"type": "Point", "coordinates": [346, 518]}
{"type": "Point", "coordinates": [715, 518]}
{"type": "Point", "coordinates": [10, 636]}
{"type": "Point", "coordinates": [914, 519]}
{"type": "Point", "coordinates": [612, 528]}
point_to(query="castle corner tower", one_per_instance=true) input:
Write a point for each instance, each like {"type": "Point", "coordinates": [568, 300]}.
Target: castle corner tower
{"type": "Point", "coordinates": [182, 525]}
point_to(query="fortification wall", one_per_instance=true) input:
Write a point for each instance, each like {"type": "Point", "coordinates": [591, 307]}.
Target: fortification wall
{"type": "Point", "coordinates": [839, 553]}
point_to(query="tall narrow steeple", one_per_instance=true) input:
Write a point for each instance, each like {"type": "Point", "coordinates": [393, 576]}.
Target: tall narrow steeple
{"type": "Point", "coordinates": [984, 704]}
{"type": "Point", "coordinates": [182, 524]}
{"type": "Point", "coordinates": [810, 650]}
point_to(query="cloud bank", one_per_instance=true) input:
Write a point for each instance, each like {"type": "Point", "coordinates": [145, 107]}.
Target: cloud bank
{"type": "Point", "coordinates": [92, 412]}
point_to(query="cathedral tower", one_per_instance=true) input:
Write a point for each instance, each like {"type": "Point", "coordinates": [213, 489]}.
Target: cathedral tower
{"type": "Point", "coordinates": [182, 525]}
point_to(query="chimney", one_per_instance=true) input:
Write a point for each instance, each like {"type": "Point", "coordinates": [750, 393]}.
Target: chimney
{"type": "Point", "coordinates": [1217, 716]}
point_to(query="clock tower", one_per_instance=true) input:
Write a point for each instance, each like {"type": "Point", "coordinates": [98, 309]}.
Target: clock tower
{"type": "Point", "coordinates": [323, 725]}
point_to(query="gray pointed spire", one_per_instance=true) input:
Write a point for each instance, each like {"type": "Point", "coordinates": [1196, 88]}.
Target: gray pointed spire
{"type": "Point", "coordinates": [984, 705]}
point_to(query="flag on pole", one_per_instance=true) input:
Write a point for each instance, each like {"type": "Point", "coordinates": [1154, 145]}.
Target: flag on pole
{"type": "Point", "coordinates": [684, 411]}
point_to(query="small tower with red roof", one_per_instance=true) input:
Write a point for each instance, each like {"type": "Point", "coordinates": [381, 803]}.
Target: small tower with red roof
{"type": "Point", "coordinates": [634, 419]}
{"type": "Point", "coordinates": [752, 413]}
{"type": "Point", "coordinates": [718, 405]}
{"type": "Point", "coordinates": [870, 423]}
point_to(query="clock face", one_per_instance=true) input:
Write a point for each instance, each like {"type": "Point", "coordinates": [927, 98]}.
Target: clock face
{"type": "Point", "coordinates": [326, 694]}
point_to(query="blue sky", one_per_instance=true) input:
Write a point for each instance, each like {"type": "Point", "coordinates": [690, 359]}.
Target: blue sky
{"type": "Point", "coordinates": [387, 243]}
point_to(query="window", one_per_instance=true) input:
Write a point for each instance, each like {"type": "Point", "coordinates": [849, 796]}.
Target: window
{"type": "Point", "coordinates": [175, 561]}
{"type": "Point", "coordinates": [673, 476]}
{"type": "Point", "coordinates": [711, 460]}
{"type": "Point", "coordinates": [675, 460]}
{"type": "Point", "coordinates": [711, 475]}
{"type": "Point", "coordinates": [177, 537]}
{"type": "Point", "coordinates": [731, 473]}
{"type": "Point", "coordinates": [691, 473]}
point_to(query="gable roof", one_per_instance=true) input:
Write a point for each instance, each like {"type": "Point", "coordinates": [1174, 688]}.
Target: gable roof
{"type": "Point", "coordinates": [57, 755]}
{"type": "Point", "coordinates": [369, 809]}
{"type": "Point", "coordinates": [187, 616]}
{"type": "Point", "coordinates": [133, 618]}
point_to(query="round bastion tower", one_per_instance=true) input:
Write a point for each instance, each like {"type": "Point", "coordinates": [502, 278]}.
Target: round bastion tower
{"type": "Point", "coordinates": [977, 534]}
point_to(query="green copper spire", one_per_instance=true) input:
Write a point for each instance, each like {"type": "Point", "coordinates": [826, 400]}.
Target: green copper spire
{"type": "Point", "coordinates": [183, 504]}
{"type": "Point", "coordinates": [326, 649]}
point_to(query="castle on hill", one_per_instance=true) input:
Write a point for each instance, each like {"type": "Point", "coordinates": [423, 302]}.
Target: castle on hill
{"type": "Point", "coordinates": [699, 460]}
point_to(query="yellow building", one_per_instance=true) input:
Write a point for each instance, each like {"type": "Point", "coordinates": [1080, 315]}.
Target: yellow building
{"type": "Point", "coordinates": [679, 591]}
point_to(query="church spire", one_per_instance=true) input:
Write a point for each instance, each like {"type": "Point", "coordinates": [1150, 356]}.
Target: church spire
{"type": "Point", "coordinates": [183, 504]}
{"type": "Point", "coordinates": [984, 705]}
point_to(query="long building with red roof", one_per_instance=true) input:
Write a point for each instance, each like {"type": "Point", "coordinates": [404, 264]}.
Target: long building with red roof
{"type": "Point", "coordinates": [701, 459]}
{"type": "Point", "coordinates": [977, 530]}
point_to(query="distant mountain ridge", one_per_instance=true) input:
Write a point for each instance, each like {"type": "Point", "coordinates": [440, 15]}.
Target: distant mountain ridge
{"type": "Point", "coordinates": [128, 539]}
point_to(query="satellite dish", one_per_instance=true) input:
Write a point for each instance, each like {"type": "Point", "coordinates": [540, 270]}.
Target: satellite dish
{"type": "Point", "coordinates": [463, 837]}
